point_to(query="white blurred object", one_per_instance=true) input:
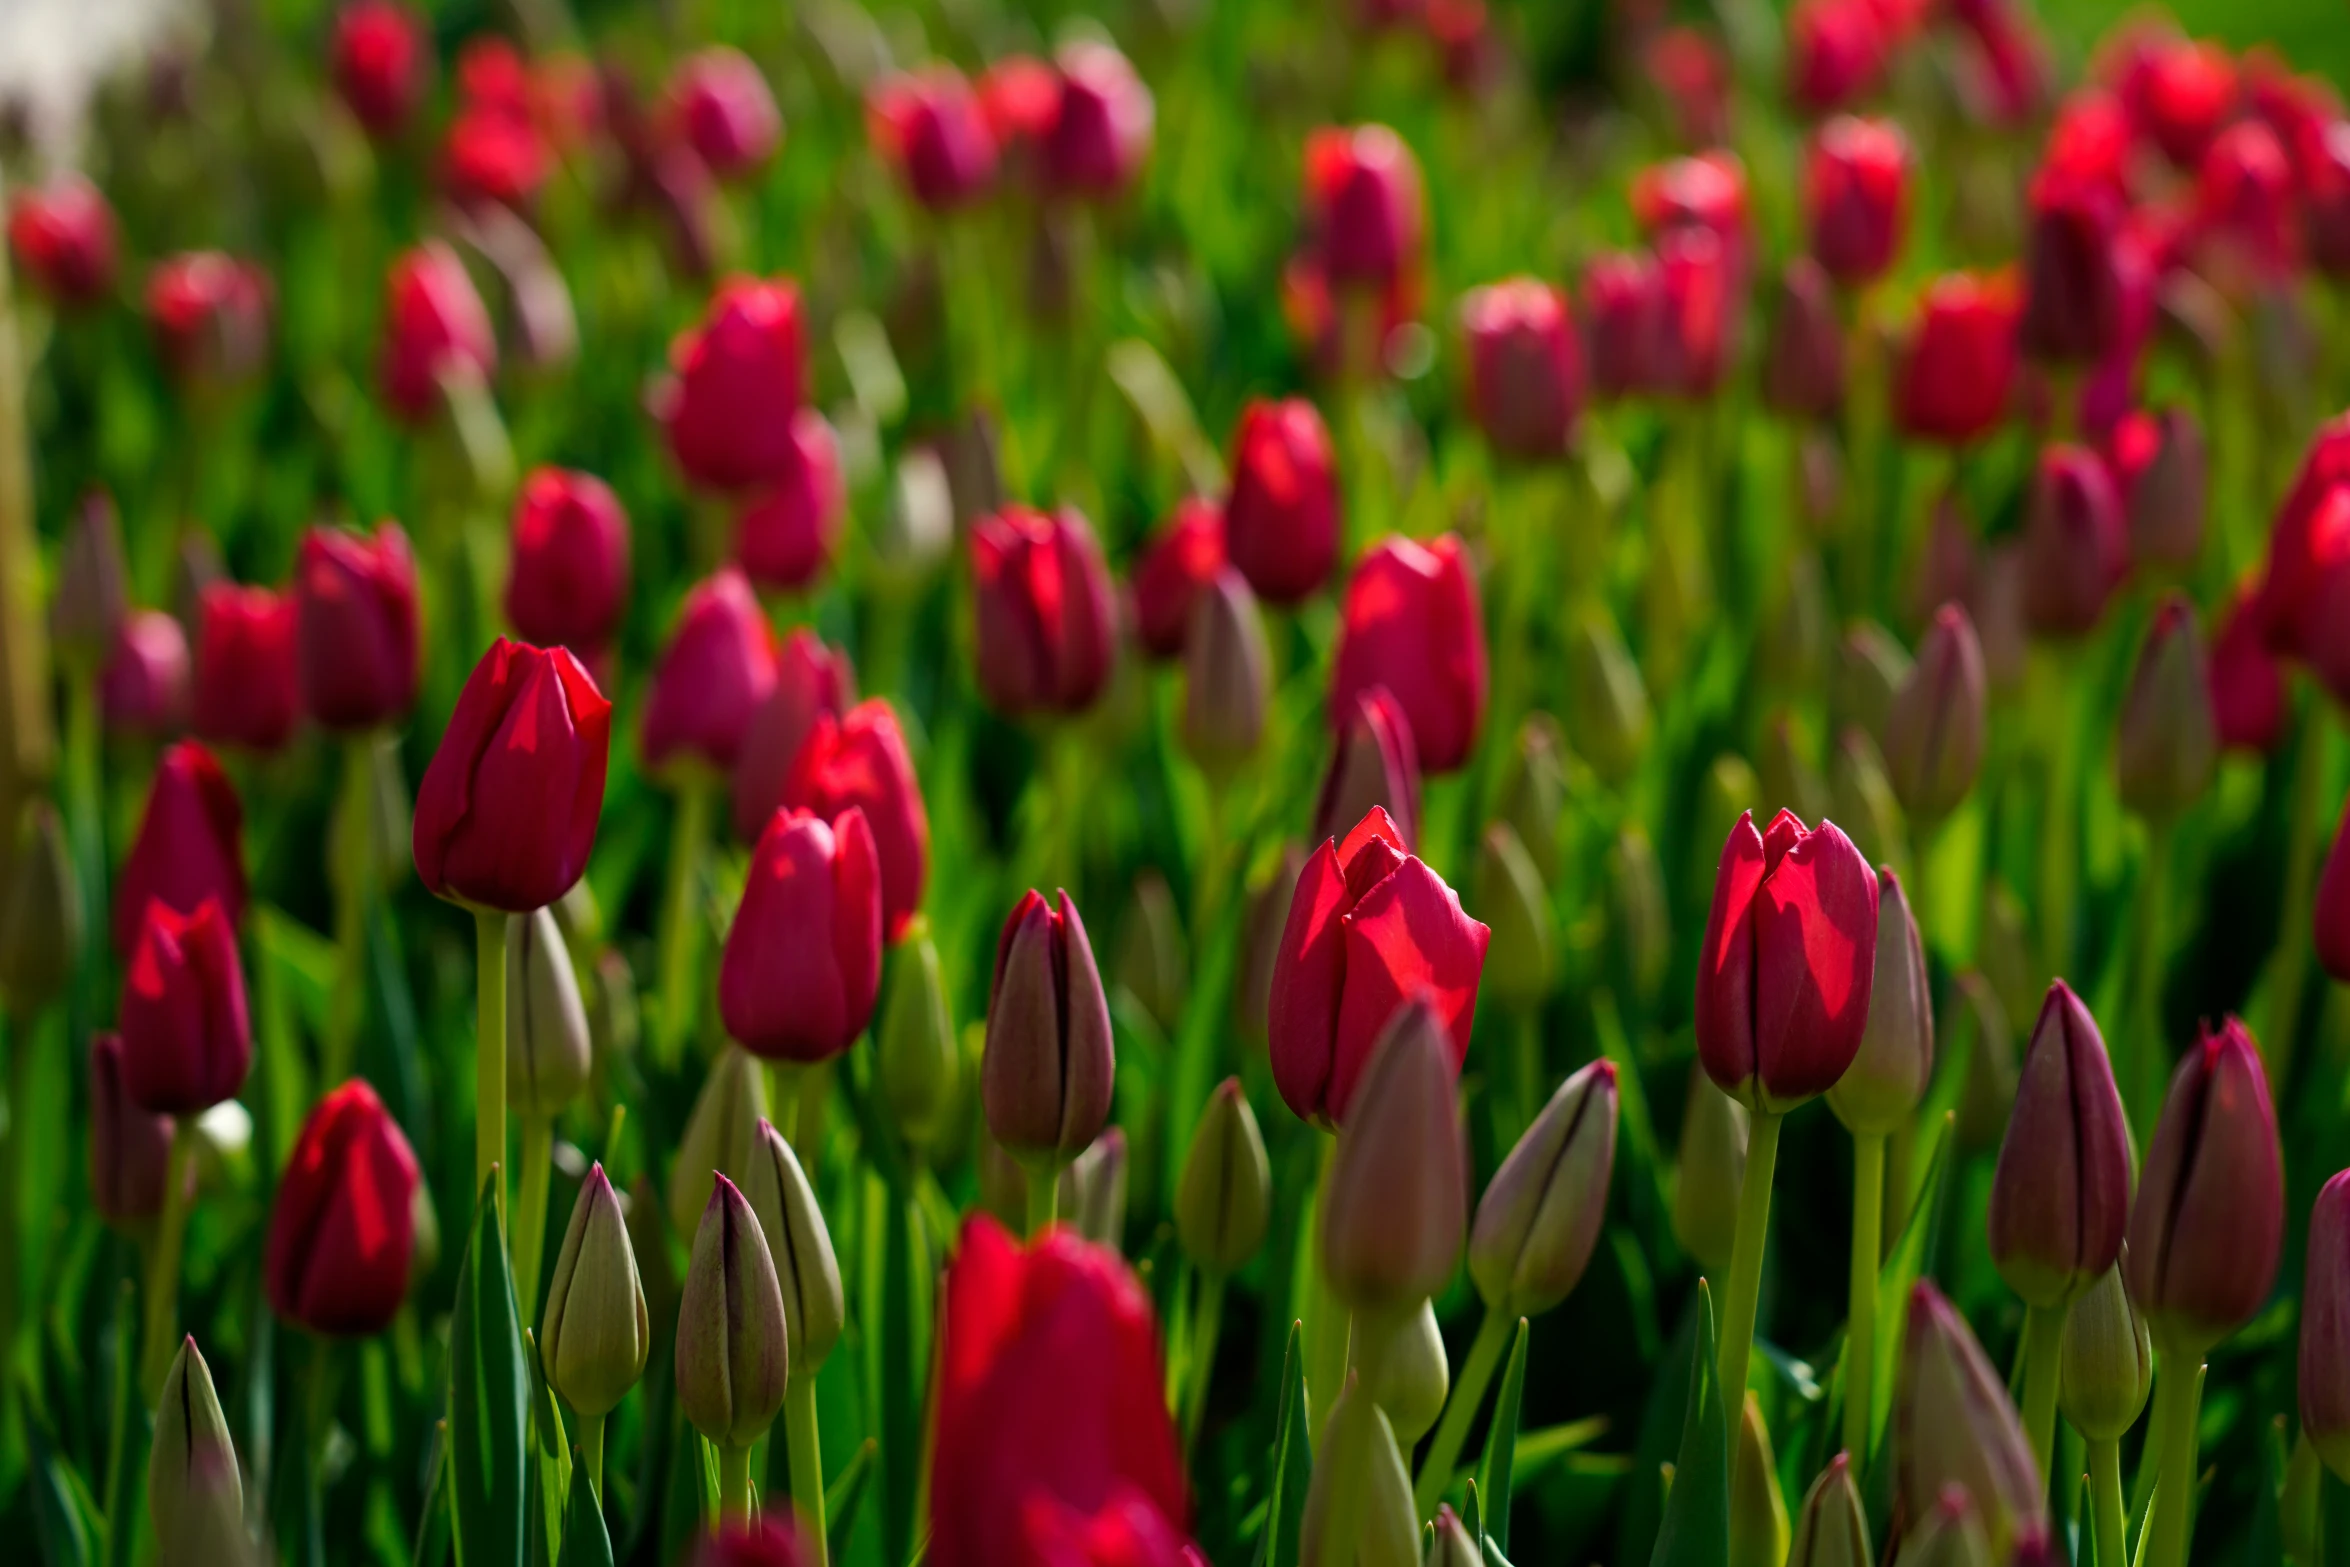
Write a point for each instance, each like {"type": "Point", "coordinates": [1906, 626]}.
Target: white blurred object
{"type": "Point", "coordinates": [53, 53]}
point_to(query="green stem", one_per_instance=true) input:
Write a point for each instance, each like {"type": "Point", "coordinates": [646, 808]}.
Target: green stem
{"type": "Point", "coordinates": [1452, 1433]}
{"type": "Point", "coordinates": [2177, 1392]}
{"type": "Point", "coordinates": [489, 1055]}
{"type": "Point", "coordinates": [2060, 811]}
{"type": "Point", "coordinates": [2301, 835]}
{"type": "Point", "coordinates": [319, 1394]}
{"type": "Point", "coordinates": [680, 994]}
{"type": "Point", "coordinates": [12, 1183]}
{"type": "Point", "coordinates": [530, 1215]}
{"type": "Point", "coordinates": [1746, 1257]}
{"type": "Point", "coordinates": [163, 1279]}
{"type": "Point", "coordinates": [591, 1452]}
{"type": "Point", "coordinates": [1207, 1324]}
{"type": "Point", "coordinates": [2043, 1355]}
{"type": "Point", "coordinates": [352, 877]}
{"type": "Point", "coordinates": [2148, 1061]}
{"type": "Point", "coordinates": [1044, 1195]}
{"type": "Point", "coordinates": [807, 1466]}
{"type": "Point", "coordinates": [1327, 1325]}
{"type": "Point", "coordinates": [734, 1483]}
{"type": "Point", "coordinates": [2105, 1504]}
{"type": "Point", "coordinates": [1860, 1331]}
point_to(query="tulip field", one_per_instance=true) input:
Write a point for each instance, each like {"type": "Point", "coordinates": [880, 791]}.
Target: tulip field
{"type": "Point", "coordinates": [1323, 783]}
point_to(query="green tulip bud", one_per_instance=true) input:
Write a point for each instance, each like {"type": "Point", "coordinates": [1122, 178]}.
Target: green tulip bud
{"type": "Point", "coordinates": [1397, 1202]}
{"type": "Point", "coordinates": [2166, 751]}
{"type": "Point", "coordinates": [596, 1333]}
{"type": "Point", "coordinates": [1506, 892]}
{"type": "Point", "coordinates": [1834, 1529]}
{"type": "Point", "coordinates": [1882, 1088]}
{"type": "Point", "coordinates": [1534, 790]}
{"type": "Point", "coordinates": [1758, 1510]}
{"type": "Point", "coordinates": [1449, 1544]}
{"type": "Point", "coordinates": [1606, 702]}
{"type": "Point", "coordinates": [1359, 1510]}
{"type": "Point", "coordinates": [1861, 801]}
{"type": "Point", "coordinates": [1951, 1534]}
{"type": "Point", "coordinates": [1150, 960]}
{"type": "Point", "coordinates": [385, 828]}
{"type": "Point", "coordinates": [1093, 1190]}
{"type": "Point", "coordinates": [1783, 761]}
{"type": "Point", "coordinates": [548, 1053]}
{"type": "Point", "coordinates": [1639, 914]}
{"type": "Point", "coordinates": [801, 1249]}
{"type": "Point", "coordinates": [1225, 1195]}
{"type": "Point", "coordinates": [1227, 676]}
{"type": "Point", "coordinates": [1871, 666]}
{"type": "Point", "coordinates": [194, 1493]}
{"type": "Point", "coordinates": [719, 1134]}
{"type": "Point", "coordinates": [916, 1060]}
{"type": "Point", "coordinates": [1709, 1169]}
{"type": "Point", "coordinates": [2108, 1360]}
{"type": "Point", "coordinates": [732, 1338]}
{"type": "Point", "coordinates": [1540, 1218]}
{"type": "Point", "coordinates": [41, 921]}
{"type": "Point", "coordinates": [1410, 1375]}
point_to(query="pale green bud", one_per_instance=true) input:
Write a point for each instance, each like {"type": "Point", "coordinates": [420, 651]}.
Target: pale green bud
{"type": "Point", "coordinates": [801, 1249]}
{"type": "Point", "coordinates": [596, 1333]}
{"type": "Point", "coordinates": [194, 1493]}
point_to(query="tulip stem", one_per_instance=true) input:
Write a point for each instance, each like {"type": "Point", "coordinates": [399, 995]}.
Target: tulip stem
{"type": "Point", "coordinates": [530, 1213]}
{"type": "Point", "coordinates": [351, 873]}
{"type": "Point", "coordinates": [1452, 1433]}
{"type": "Point", "coordinates": [163, 1278]}
{"type": "Point", "coordinates": [2043, 1354]}
{"type": "Point", "coordinates": [1207, 1323]}
{"type": "Point", "coordinates": [1746, 1257]}
{"type": "Point", "coordinates": [591, 1453]}
{"type": "Point", "coordinates": [1327, 1325]}
{"type": "Point", "coordinates": [1044, 1195]}
{"type": "Point", "coordinates": [807, 1465]}
{"type": "Point", "coordinates": [2302, 825]}
{"type": "Point", "coordinates": [679, 927]}
{"type": "Point", "coordinates": [734, 1482]}
{"type": "Point", "coordinates": [489, 1053]}
{"type": "Point", "coordinates": [1860, 1326]}
{"type": "Point", "coordinates": [2177, 1393]}
{"type": "Point", "coordinates": [2106, 1503]}
{"type": "Point", "coordinates": [2149, 1060]}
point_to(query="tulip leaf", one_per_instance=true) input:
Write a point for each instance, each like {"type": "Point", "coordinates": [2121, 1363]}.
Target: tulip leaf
{"type": "Point", "coordinates": [1899, 1275]}
{"type": "Point", "coordinates": [586, 1542]}
{"type": "Point", "coordinates": [1292, 1466]}
{"type": "Point", "coordinates": [1696, 1529]}
{"type": "Point", "coordinates": [1494, 1472]}
{"type": "Point", "coordinates": [489, 1400]}
{"type": "Point", "coordinates": [432, 1528]}
{"type": "Point", "coordinates": [62, 1511]}
{"type": "Point", "coordinates": [845, 1497]}
{"type": "Point", "coordinates": [550, 1470]}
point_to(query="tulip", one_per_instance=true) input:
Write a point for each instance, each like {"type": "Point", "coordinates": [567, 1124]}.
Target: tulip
{"type": "Point", "coordinates": [129, 1145]}
{"type": "Point", "coordinates": [1374, 764]}
{"type": "Point", "coordinates": [1101, 129]}
{"type": "Point", "coordinates": [1835, 52]}
{"type": "Point", "coordinates": [809, 1279]}
{"type": "Point", "coordinates": [1173, 570]}
{"type": "Point", "coordinates": [718, 668]}
{"type": "Point", "coordinates": [355, 626]}
{"type": "Point", "coordinates": [195, 1497]}
{"type": "Point", "coordinates": [1934, 725]}
{"type": "Point", "coordinates": [210, 317]}
{"type": "Point", "coordinates": [40, 917]}
{"type": "Point", "coordinates": [1954, 1427]}
{"type": "Point", "coordinates": [1281, 521]}
{"type": "Point", "coordinates": [186, 1036]}
{"type": "Point", "coordinates": [2245, 205]}
{"type": "Point", "coordinates": [1834, 1528]}
{"type": "Point", "coordinates": [2325, 1327]}
{"type": "Point", "coordinates": [1803, 357]}
{"type": "Point", "coordinates": [147, 686]}
{"type": "Point", "coordinates": [1395, 1208]}
{"type": "Point", "coordinates": [721, 1134]}
{"type": "Point", "coordinates": [1050, 1410]}
{"type": "Point", "coordinates": [1702, 311]}
{"type": "Point", "coordinates": [1690, 71]}
{"type": "Point", "coordinates": [343, 1232]}
{"type": "Point", "coordinates": [786, 536]}
{"type": "Point", "coordinates": [1856, 196]}
{"type": "Point", "coordinates": [549, 1054]}
{"type": "Point", "coordinates": [740, 377]}
{"type": "Point", "coordinates": [2080, 268]}
{"type": "Point", "coordinates": [859, 761]}
{"type": "Point", "coordinates": [1758, 1508]}
{"type": "Point", "coordinates": [2167, 748]}
{"type": "Point", "coordinates": [1957, 372]}
{"type": "Point", "coordinates": [762, 1540]}
{"type": "Point", "coordinates": [928, 127]}
{"type": "Point", "coordinates": [812, 680]}
{"type": "Point", "coordinates": [2108, 1369]}
{"type": "Point", "coordinates": [1951, 1534]}
{"type": "Point", "coordinates": [802, 966]}
{"type": "Point", "coordinates": [596, 1334]}
{"type": "Point", "coordinates": [1359, 1509]}
{"type": "Point", "coordinates": [1227, 677]}
{"type": "Point", "coordinates": [2180, 94]}
{"type": "Point", "coordinates": [90, 600]}
{"type": "Point", "coordinates": [2325, 200]}
{"type": "Point", "coordinates": [725, 111]}
{"type": "Point", "coordinates": [2076, 547]}
{"type": "Point", "coordinates": [1045, 615]}
{"type": "Point", "coordinates": [435, 327]}
{"type": "Point", "coordinates": [245, 687]}
{"type": "Point", "coordinates": [1525, 367]}
{"type": "Point", "coordinates": [1149, 963]}
{"type": "Point", "coordinates": [1223, 1200]}
{"type": "Point", "coordinates": [1540, 1218]}
{"type": "Point", "coordinates": [568, 583]}
{"type": "Point", "coordinates": [1708, 1172]}
{"type": "Point", "coordinates": [1706, 192]}
{"type": "Point", "coordinates": [1887, 1079]}
{"type": "Point", "coordinates": [1370, 927]}
{"type": "Point", "coordinates": [2162, 474]}
{"type": "Point", "coordinates": [1410, 623]}
{"type": "Point", "coordinates": [189, 846]}
{"type": "Point", "coordinates": [2247, 682]}
{"type": "Point", "coordinates": [1045, 1077]}
{"type": "Point", "coordinates": [62, 234]}
{"type": "Point", "coordinates": [1623, 311]}
{"type": "Point", "coordinates": [1520, 961]}
{"type": "Point", "coordinates": [731, 1370]}
{"type": "Point", "coordinates": [380, 54]}
{"type": "Point", "coordinates": [917, 1058]}
{"type": "Point", "coordinates": [2308, 542]}
{"type": "Point", "coordinates": [2332, 907]}
{"type": "Point", "coordinates": [1362, 206]}
{"type": "Point", "coordinates": [1449, 1544]}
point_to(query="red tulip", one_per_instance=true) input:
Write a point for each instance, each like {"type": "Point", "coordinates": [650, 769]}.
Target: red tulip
{"type": "Point", "coordinates": [568, 583]}
{"type": "Point", "coordinates": [380, 56]}
{"type": "Point", "coordinates": [2209, 1220]}
{"type": "Point", "coordinates": [1623, 312]}
{"type": "Point", "coordinates": [725, 111]}
{"type": "Point", "coordinates": [1789, 960]}
{"type": "Point", "coordinates": [1856, 196]}
{"type": "Point", "coordinates": [1958, 371]}
{"type": "Point", "coordinates": [928, 127]}
{"type": "Point", "coordinates": [187, 1039]}
{"type": "Point", "coordinates": [1281, 521]}
{"type": "Point", "coordinates": [1049, 1067]}
{"type": "Point", "coordinates": [210, 315]}
{"type": "Point", "coordinates": [434, 326]}
{"type": "Point", "coordinates": [507, 810]}
{"type": "Point", "coordinates": [342, 1235]}
{"type": "Point", "coordinates": [1410, 622]}
{"type": "Point", "coordinates": [2247, 683]}
{"type": "Point", "coordinates": [716, 671]}
{"type": "Point", "coordinates": [2325, 1326]}
{"type": "Point", "coordinates": [1362, 207]}
{"type": "Point", "coordinates": [1463, 34]}
{"type": "Point", "coordinates": [811, 680]}
{"type": "Point", "coordinates": [2159, 467]}
{"type": "Point", "coordinates": [860, 761]}
{"type": "Point", "coordinates": [62, 235]}
{"type": "Point", "coordinates": [785, 536]}
{"type": "Point", "coordinates": [2090, 141]}
{"type": "Point", "coordinates": [1370, 926]}
{"type": "Point", "coordinates": [355, 620]}
{"type": "Point", "coordinates": [2061, 1195]}
{"type": "Point", "coordinates": [2332, 910]}
{"type": "Point", "coordinates": [803, 957]}
{"type": "Point", "coordinates": [1175, 565]}
{"type": "Point", "coordinates": [1706, 192]}
{"type": "Point", "coordinates": [496, 150]}
{"type": "Point", "coordinates": [1046, 620]}
{"type": "Point", "coordinates": [1101, 128]}
{"type": "Point", "coordinates": [2004, 76]}
{"type": "Point", "coordinates": [1703, 308]}
{"type": "Point", "coordinates": [2076, 545]}
{"type": "Point", "coordinates": [148, 684]}
{"type": "Point", "coordinates": [2181, 95]}
{"type": "Point", "coordinates": [1525, 367]}
{"type": "Point", "coordinates": [2309, 544]}
{"type": "Point", "coordinates": [762, 1540]}
{"type": "Point", "coordinates": [2081, 268]}
{"type": "Point", "coordinates": [740, 379]}
{"type": "Point", "coordinates": [246, 690]}
{"type": "Point", "coordinates": [2245, 203]}
{"type": "Point", "coordinates": [1373, 763]}
{"type": "Point", "coordinates": [1692, 75]}
{"type": "Point", "coordinates": [1803, 358]}
{"type": "Point", "coordinates": [129, 1146]}
{"type": "Point", "coordinates": [2325, 200]}
{"type": "Point", "coordinates": [1835, 53]}
{"type": "Point", "coordinates": [1020, 100]}
{"type": "Point", "coordinates": [1051, 1415]}
{"type": "Point", "coordinates": [189, 847]}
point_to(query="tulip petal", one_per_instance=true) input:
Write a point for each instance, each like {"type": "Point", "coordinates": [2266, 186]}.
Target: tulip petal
{"type": "Point", "coordinates": [1726, 975]}
{"type": "Point", "coordinates": [1406, 937]}
{"type": "Point", "coordinates": [1309, 978]}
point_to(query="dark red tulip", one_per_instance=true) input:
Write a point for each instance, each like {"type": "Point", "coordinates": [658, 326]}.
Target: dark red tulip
{"type": "Point", "coordinates": [1705, 192]}
{"type": "Point", "coordinates": [1020, 100]}
{"type": "Point", "coordinates": [1933, 729]}
{"type": "Point", "coordinates": [1281, 521]}
{"type": "Point", "coordinates": [1373, 762]}
{"type": "Point", "coordinates": [187, 1039]}
{"type": "Point", "coordinates": [1957, 373]}
{"type": "Point", "coordinates": [434, 326]}
{"type": "Point", "coordinates": [785, 535]}
{"type": "Point", "coordinates": [725, 111]}
{"type": "Point", "coordinates": [1362, 207]}
{"type": "Point", "coordinates": [1691, 74]}
{"type": "Point", "coordinates": [1101, 129]}
{"type": "Point", "coordinates": [2247, 682]}
{"type": "Point", "coordinates": [812, 680]}
{"type": "Point", "coordinates": [1046, 620]}
{"type": "Point", "coordinates": [496, 150]}
{"type": "Point", "coordinates": [928, 127]}
{"type": "Point", "coordinates": [1623, 314]}
{"type": "Point", "coordinates": [246, 688]}
{"type": "Point", "coordinates": [764, 1539]}
{"type": "Point", "coordinates": [1835, 53]}
{"type": "Point", "coordinates": [860, 760]}
{"type": "Point", "coordinates": [1856, 196]}
{"type": "Point", "coordinates": [1048, 1069]}
{"type": "Point", "coordinates": [2091, 141]}
{"type": "Point", "coordinates": [2209, 1220]}
{"type": "Point", "coordinates": [380, 55]}
{"type": "Point", "coordinates": [2080, 268]}
{"type": "Point", "coordinates": [355, 622]}
{"type": "Point", "coordinates": [190, 844]}
{"type": "Point", "coordinates": [1465, 40]}
{"type": "Point", "coordinates": [1370, 927]}
{"type": "Point", "coordinates": [803, 957]}
{"type": "Point", "coordinates": [718, 668]}
{"type": "Point", "coordinates": [1788, 963]}
{"type": "Point", "coordinates": [2245, 205]}
{"type": "Point", "coordinates": [2181, 95]}
{"type": "Point", "coordinates": [507, 810]}
{"type": "Point", "coordinates": [2061, 1196]}
{"type": "Point", "coordinates": [2164, 479]}
{"type": "Point", "coordinates": [1525, 367]}
{"type": "Point", "coordinates": [61, 233]}
{"type": "Point", "coordinates": [1175, 565]}
{"type": "Point", "coordinates": [1051, 1442]}
{"type": "Point", "coordinates": [2076, 544]}
{"type": "Point", "coordinates": [2003, 78]}
{"type": "Point", "coordinates": [2325, 199]}
{"type": "Point", "coordinates": [741, 375]}
{"type": "Point", "coordinates": [1410, 622]}
{"type": "Point", "coordinates": [567, 585]}
{"type": "Point", "coordinates": [342, 1236]}
{"type": "Point", "coordinates": [148, 684]}
{"type": "Point", "coordinates": [1803, 357]}
{"type": "Point", "coordinates": [1703, 308]}
{"type": "Point", "coordinates": [210, 316]}
{"type": "Point", "coordinates": [129, 1146]}
{"type": "Point", "coordinates": [2308, 548]}
{"type": "Point", "coordinates": [2332, 910]}
{"type": "Point", "coordinates": [2325, 1326]}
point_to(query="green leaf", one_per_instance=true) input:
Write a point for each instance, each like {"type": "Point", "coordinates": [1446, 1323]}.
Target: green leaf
{"type": "Point", "coordinates": [1495, 1471]}
{"type": "Point", "coordinates": [1292, 1462]}
{"type": "Point", "coordinates": [1538, 1449]}
{"type": "Point", "coordinates": [586, 1543]}
{"type": "Point", "coordinates": [489, 1400]}
{"type": "Point", "coordinates": [845, 1497]}
{"type": "Point", "coordinates": [1899, 1276]}
{"type": "Point", "coordinates": [61, 1505]}
{"type": "Point", "coordinates": [2264, 1542]}
{"type": "Point", "coordinates": [550, 1471]}
{"type": "Point", "coordinates": [1696, 1530]}
{"type": "Point", "coordinates": [432, 1528]}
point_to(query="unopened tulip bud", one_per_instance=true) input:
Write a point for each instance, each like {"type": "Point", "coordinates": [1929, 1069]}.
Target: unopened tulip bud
{"type": "Point", "coordinates": [719, 1135]}
{"type": "Point", "coordinates": [2108, 1360]}
{"type": "Point", "coordinates": [41, 917]}
{"type": "Point", "coordinates": [1093, 1190]}
{"type": "Point", "coordinates": [1410, 1377]}
{"type": "Point", "coordinates": [1607, 706]}
{"type": "Point", "coordinates": [1449, 1544]}
{"type": "Point", "coordinates": [2209, 1219]}
{"type": "Point", "coordinates": [548, 1053]}
{"type": "Point", "coordinates": [2060, 1197]}
{"type": "Point", "coordinates": [1225, 1196]}
{"type": "Point", "coordinates": [1046, 1078]}
{"type": "Point", "coordinates": [2325, 1327]}
{"type": "Point", "coordinates": [1758, 1509]}
{"type": "Point", "coordinates": [1955, 1426]}
{"type": "Point", "coordinates": [1227, 676]}
{"type": "Point", "coordinates": [801, 1249]}
{"type": "Point", "coordinates": [187, 1036]}
{"type": "Point", "coordinates": [1150, 962]}
{"type": "Point", "coordinates": [596, 1333]}
{"type": "Point", "coordinates": [1858, 794]}
{"type": "Point", "coordinates": [1880, 1091]}
{"type": "Point", "coordinates": [1639, 914]}
{"type": "Point", "coordinates": [2076, 544]}
{"type": "Point", "coordinates": [2167, 750]}
{"type": "Point", "coordinates": [1783, 765]}
{"type": "Point", "coordinates": [1934, 726]}
{"type": "Point", "coordinates": [195, 1498]}
{"type": "Point", "coordinates": [1409, 621]}
{"type": "Point", "coordinates": [731, 1334]}
{"type": "Point", "coordinates": [1508, 894]}
{"type": "Point", "coordinates": [1374, 763]}
{"type": "Point", "coordinates": [1542, 1213]}
{"type": "Point", "coordinates": [1708, 1171]}
{"type": "Point", "coordinates": [1871, 670]}
{"type": "Point", "coordinates": [916, 1061]}
{"type": "Point", "coordinates": [1834, 1528]}
{"type": "Point", "coordinates": [1534, 790]}
{"type": "Point", "coordinates": [1949, 1533]}
{"type": "Point", "coordinates": [1359, 1509]}
{"type": "Point", "coordinates": [92, 595]}
{"type": "Point", "coordinates": [1396, 1207]}
{"type": "Point", "coordinates": [2164, 476]}
{"type": "Point", "coordinates": [1803, 355]}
